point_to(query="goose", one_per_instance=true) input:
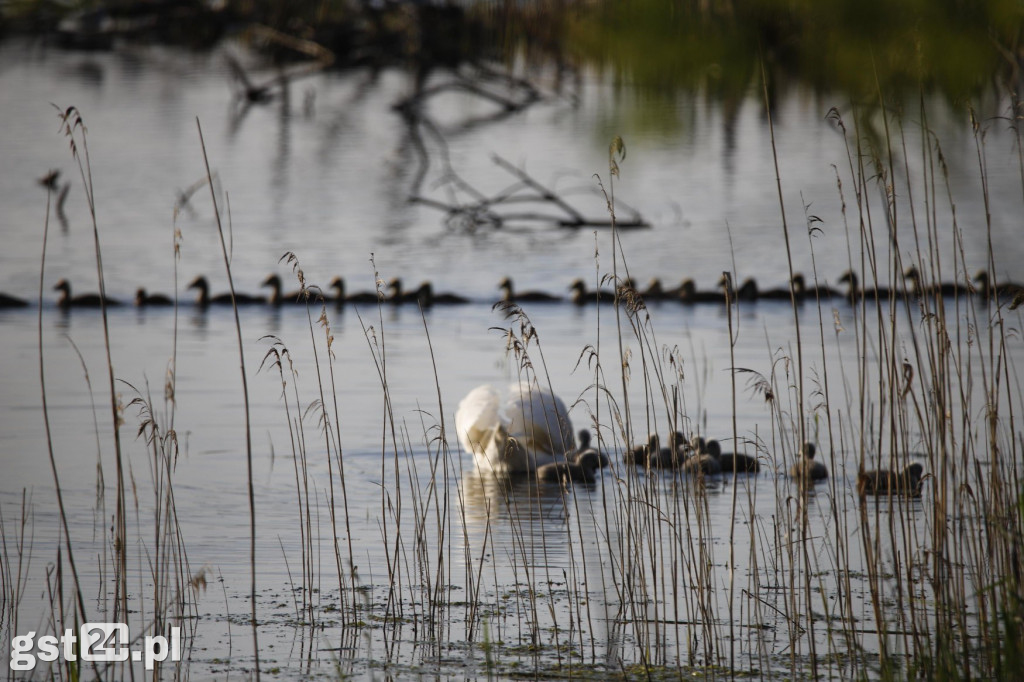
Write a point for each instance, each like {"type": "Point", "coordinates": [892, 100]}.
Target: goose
{"type": "Point", "coordinates": [203, 298]}
{"type": "Point", "coordinates": [425, 296]}
{"type": "Point", "coordinates": [802, 291]}
{"type": "Point", "coordinates": [398, 295]}
{"type": "Point", "coordinates": [338, 284]}
{"type": "Point", "coordinates": [8, 301]}
{"type": "Point", "coordinates": [532, 428]}
{"type": "Point", "coordinates": [886, 482]}
{"type": "Point", "coordinates": [750, 291]}
{"type": "Point", "coordinates": [912, 275]}
{"type": "Point", "coordinates": [585, 450]}
{"type": "Point", "coordinates": [66, 300]}
{"type": "Point", "coordinates": [276, 298]}
{"type": "Point", "coordinates": [509, 294]}
{"type": "Point", "coordinates": [747, 292]}
{"type": "Point", "coordinates": [806, 469]}
{"type": "Point", "coordinates": [688, 294]}
{"type": "Point", "coordinates": [703, 460]}
{"type": "Point", "coordinates": [143, 299]}
{"type": "Point", "coordinates": [582, 470]}
{"type": "Point", "coordinates": [580, 295]}
{"type": "Point", "coordinates": [854, 293]}
{"type": "Point", "coordinates": [771, 294]}
{"type": "Point", "coordinates": [655, 292]}
{"type": "Point", "coordinates": [988, 289]}
{"type": "Point", "coordinates": [733, 461]}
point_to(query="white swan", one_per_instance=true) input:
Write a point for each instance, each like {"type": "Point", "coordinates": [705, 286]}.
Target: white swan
{"type": "Point", "coordinates": [530, 430]}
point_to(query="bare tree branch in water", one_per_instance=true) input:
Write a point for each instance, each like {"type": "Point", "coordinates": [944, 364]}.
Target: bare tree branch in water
{"type": "Point", "coordinates": [469, 208]}
{"type": "Point", "coordinates": [250, 92]}
{"type": "Point", "coordinates": [525, 201]}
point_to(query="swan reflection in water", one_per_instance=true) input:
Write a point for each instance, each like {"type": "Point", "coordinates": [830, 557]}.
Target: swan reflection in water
{"type": "Point", "coordinates": [519, 521]}
{"type": "Point", "coordinates": [532, 506]}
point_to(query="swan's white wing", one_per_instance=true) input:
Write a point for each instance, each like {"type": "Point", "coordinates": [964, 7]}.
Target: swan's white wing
{"type": "Point", "coordinates": [532, 429]}
{"type": "Point", "coordinates": [483, 431]}
{"type": "Point", "coordinates": [539, 420]}
{"type": "Point", "coordinates": [477, 418]}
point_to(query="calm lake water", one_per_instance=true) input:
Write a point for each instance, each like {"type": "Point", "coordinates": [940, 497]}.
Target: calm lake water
{"type": "Point", "coordinates": [330, 182]}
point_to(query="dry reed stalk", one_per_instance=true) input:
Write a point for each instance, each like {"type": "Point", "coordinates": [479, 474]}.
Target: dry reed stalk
{"type": "Point", "coordinates": [65, 528]}
{"type": "Point", "coordinates": [245, 400]}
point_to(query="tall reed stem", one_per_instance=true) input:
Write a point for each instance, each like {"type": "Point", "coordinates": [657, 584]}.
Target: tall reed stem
{"type": "Point", "coordinates": [245, 400]}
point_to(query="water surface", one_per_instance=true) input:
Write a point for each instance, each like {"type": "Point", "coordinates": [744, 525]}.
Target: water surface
{"type": "Point", "coordinates": [527, 568]}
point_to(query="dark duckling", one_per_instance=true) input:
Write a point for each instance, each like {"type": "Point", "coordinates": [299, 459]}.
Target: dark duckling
{"type": "Point", "coordinates": [277, 298]}
{"type": "Point", "coordinates": [640, 455]}
{"type": "Point", "coordinates": [66, 300]}
{"type": "Point", "coordinates": [585, 449]}
{"type": "Point", "coordinates": [917, 288]}
{"type": "Point", "coordinates": [822, 291]}
{"type": "Point", "coordinates": [806, 468]}
{"type": "Point", "coordinates": [674, 455]}
{"type": "Point", "coordinates": [425, 296]}
{"type": "Point", "coordinates": [510, 295]}
{"type": "Point", "coordinates": [688, 293]}
{"type": "Point", "coordinates": [1005, 291]}
{"type": "Point", "coordinates": [989, 289]}
{"type": "Point", "coordinates": [855, 293]}
{"type": "Point", "coordinates": [733, 461]}
{"type": "Point", "coordinates": [143, 299]}
{"type": "Point", "coordinates": [203, 298]}
{"type": "Point", "coordinates": [747, 292]}
{"type": "Point", "coordinates": [581, 296]}
{"type": "Point", "coordinates": [8, 301]}
{"type": "Point", "coordinates": [770, 294]}
{"type": "Point", "coordinates": [582, 470]}
{"type": "Point", "coordinates": [885, 482]}
{"type": "Point", "coordinates": [399, 295]}
{"type": "Point", "coordinates": [702, 460]}
{"type": "Point", "coordinates": [655, 292]}
{"type": "Point", "coordinates": [338, 285]}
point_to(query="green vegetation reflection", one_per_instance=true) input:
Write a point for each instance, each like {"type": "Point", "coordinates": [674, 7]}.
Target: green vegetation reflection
{"type": "Point", "coordinates": [860, 47]}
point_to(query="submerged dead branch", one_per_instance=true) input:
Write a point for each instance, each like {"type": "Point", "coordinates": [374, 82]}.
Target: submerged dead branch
{"type": "Point", "coordinates": [251, 92]}
{"type": "Point", "coordinates": [492, 210]}
{"type": "Point", "coordinates": [510, 93]}
{"type": "Point", "coordinates": [467, 207]}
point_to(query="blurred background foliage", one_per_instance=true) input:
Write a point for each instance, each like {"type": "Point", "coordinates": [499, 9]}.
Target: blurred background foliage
{"type": "Point", "coordinates": [862, 48]}
{"type": "Point", "coordinates": [959, 49]}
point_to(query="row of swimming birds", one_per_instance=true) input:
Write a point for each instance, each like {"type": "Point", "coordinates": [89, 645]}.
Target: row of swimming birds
{"type": "Point", "coordinates": [393, 293]}
{"type": "Point", "coordinates": [425, 296]}
{"type": "Point", "coordinates": [531, 434]}
{"type": "Point", "coordinates": [705, 457]}
{"type": "Point", "coordinates": [700, 457]}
